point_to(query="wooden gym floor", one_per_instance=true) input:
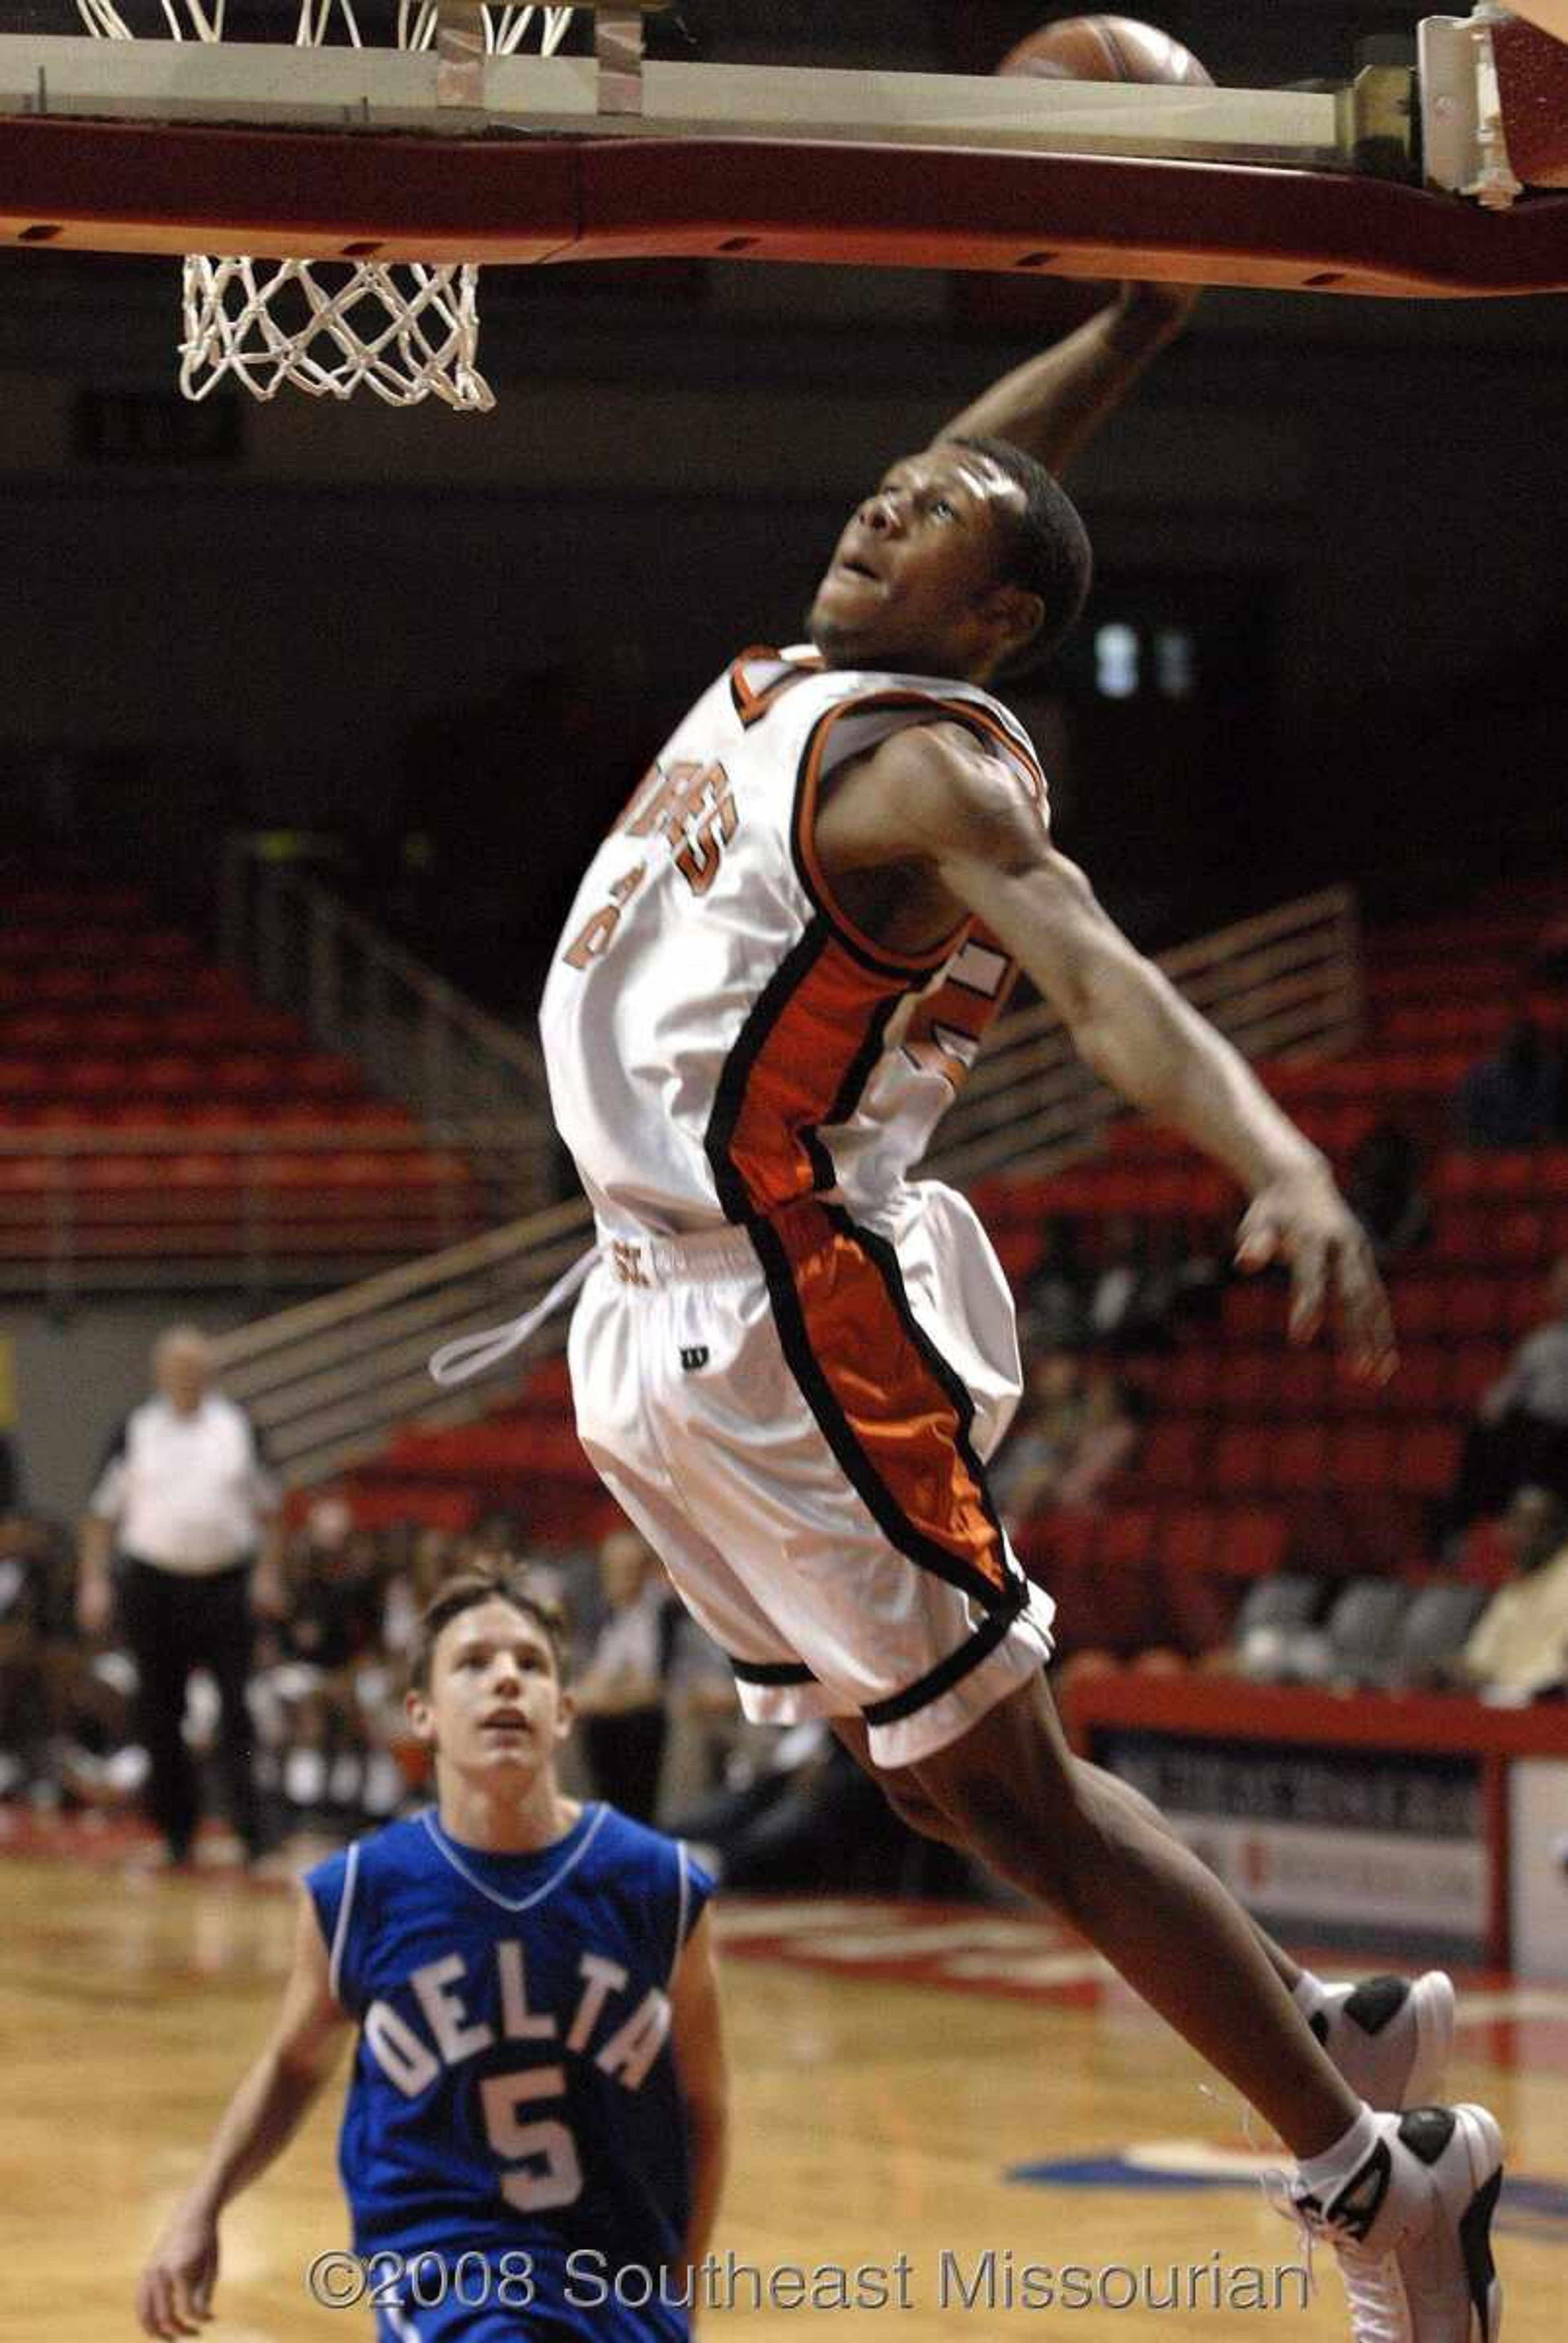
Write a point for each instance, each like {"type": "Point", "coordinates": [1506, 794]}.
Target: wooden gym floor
{"type": "Point", "coordinates": [895, 2068]}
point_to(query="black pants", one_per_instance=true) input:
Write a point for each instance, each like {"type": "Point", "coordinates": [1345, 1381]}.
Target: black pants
{"type": "Point", "coordinates": [172, 1624]}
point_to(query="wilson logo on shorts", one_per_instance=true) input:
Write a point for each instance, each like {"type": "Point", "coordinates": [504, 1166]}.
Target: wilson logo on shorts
{"type": "Point", "coordinates": [695, 1357]}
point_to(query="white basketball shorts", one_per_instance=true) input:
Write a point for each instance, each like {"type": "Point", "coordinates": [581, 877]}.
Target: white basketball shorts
{"type": "Point", "coordinates": [797, 1418]}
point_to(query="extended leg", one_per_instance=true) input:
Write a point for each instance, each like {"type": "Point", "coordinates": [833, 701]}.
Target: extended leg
{"type": "Point", "coordinates": [1055, 1829]}
{"type": "Point", "coordinates": [915, 1805]}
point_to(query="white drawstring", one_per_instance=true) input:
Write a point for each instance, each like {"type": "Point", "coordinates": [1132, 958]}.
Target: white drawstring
{"type": "Point", "coordinates": [474, 1354]}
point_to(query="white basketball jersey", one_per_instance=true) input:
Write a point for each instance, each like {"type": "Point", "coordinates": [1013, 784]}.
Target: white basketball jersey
{"type": "Point", "coordinates": [721, 1039]}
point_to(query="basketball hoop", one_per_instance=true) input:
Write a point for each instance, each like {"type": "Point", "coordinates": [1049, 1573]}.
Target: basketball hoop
{"type": "Point", "coordinates": [408, 331]}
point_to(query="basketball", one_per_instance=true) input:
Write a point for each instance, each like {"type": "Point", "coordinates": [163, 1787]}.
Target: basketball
{"type": "Point", "coordinates": [1103, 48]}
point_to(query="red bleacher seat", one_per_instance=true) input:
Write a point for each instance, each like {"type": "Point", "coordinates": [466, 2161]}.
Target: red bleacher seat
{"type": "Point", "coordinates": [1188, 1540]}
{"type": "Point", "coordinates": [1488, 1558]}
{"type": "Point", "coordinates": [1256, 1307]}
{"type": "Point", "coordinates": [1362, 1457]}
{"type": "Point", "coordinates": [548, 1388]}
{"type": "Point", "coordinates": [1187, 1381]}
{"type": "Point", "coordinates": [1128, 1540]}
{"type": "Point", "coordinates": [1418, 1304]}
{"type": "Point", "coordinates": [1017, 1250]}
{"type": "Point", "coordinates": [1425, 1381]}
{"type": "Point", "coordinates": [1524, 1306]}
{"type": "Point", "coordinates": [1473, 1367]}
{"type": "Point", "coordinates": [1242, 1460]}
{"type": "Point", "coordinates": [1172, 1456]}
{"type": "Point", "coordinates": [1428, 1459]}
{"type": "Point", "coordinates": [1473, 1305]}
{"type": "Point", "coordinates": [1299, 1381]}
{"type": "Point", "coordinates": [25, 1174]}
{"type": "Point", "coordinates": [1300, 1461]}
{"type": "Point", "coordinates": [1253, 1541]}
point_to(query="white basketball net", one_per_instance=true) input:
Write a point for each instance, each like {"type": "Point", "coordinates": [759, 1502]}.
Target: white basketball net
{"type": "Point", "coordinates": [406, 330]}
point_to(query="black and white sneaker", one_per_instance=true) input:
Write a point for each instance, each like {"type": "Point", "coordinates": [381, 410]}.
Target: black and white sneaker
{"type": "Point", "coordinates": [1411, 2229]}
{"type": "Point", "coordinates": [1390, 2037]}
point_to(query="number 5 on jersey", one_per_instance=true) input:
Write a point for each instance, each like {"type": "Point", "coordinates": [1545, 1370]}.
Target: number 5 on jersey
{"type": "Point", "coordinates": [545, 2147]}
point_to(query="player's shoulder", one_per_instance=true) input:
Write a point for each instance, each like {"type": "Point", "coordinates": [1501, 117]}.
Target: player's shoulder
{"type": "Point", "coordinates": [966, 717]}
{"type": "Point", "coordinates": [225, 1410]}
{"type": "Point", "coordinates": [637, 1852]}
{"type": "Point", "coordinates": [621, 1838]}
{"type": "Point", "coordinates": [390, 1851]}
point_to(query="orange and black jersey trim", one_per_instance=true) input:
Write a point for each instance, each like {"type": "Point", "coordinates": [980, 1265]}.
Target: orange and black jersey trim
{"type": "Point", "coordinates": [759, 678]}
{"type": "Point", "coordinates": [895, 1416]}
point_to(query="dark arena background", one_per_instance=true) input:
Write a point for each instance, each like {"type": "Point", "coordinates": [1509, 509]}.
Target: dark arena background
{"type": "Point", "coordinates": [312, 715]}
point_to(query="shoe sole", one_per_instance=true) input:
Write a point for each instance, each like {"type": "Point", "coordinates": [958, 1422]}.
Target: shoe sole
{"type": "Point", "coordinates": [1484, 2148]}
{"type": "Point", "coordinates": [1431, 2002]}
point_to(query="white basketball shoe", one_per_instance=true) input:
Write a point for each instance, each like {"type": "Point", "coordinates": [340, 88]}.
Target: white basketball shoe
{"type": "Point", "coordinates": [1390, 2037]}
{"type": "Point", "coordinates": [1411, 2229]}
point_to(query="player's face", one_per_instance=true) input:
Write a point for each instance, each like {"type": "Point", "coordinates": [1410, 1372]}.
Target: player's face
{"type": "Point", "coordinates": [495, 1706]}
{"type": "Point", "coordinates": [914, 583]}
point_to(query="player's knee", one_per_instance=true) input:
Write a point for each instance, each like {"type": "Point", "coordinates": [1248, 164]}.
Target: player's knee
{"type": "Point", "coordinates": [912, 1806]}
{"type": "Point", "coordinates": [1035, 1830]}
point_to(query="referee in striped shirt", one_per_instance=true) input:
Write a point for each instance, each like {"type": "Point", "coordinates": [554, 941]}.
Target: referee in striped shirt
{"type": "Point", "coordinates": [184, 1536]}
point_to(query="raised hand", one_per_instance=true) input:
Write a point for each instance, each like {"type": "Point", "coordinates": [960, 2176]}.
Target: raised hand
{"type": "Point", "coordinates": [1303, 1220]}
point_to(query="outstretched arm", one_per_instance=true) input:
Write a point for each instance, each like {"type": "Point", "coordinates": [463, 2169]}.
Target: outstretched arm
{"type": "Point", "coordinates": [174, 2293]}
{"type": "Point", "coordinates": [1053, 404]}
{"type": "Point", "coordinates": [934, 799]}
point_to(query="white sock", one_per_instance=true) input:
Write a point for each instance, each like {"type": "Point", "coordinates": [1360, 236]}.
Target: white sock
{"type": "Point", "coordinates": [1346, 2155]}
{"type": "Point", "coordinates": [1309, 1994]}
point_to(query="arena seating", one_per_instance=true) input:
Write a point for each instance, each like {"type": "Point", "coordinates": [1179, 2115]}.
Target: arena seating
{"type": "Point", "coordinates": [152, 1110]}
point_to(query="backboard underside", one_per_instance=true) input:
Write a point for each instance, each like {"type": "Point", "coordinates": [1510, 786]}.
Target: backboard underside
{"type": "Point", "coordinates": [372, 153]}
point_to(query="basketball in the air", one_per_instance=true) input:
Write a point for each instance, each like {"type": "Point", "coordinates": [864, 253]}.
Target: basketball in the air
{"type": "Point", "coordinates": [1103, 48]}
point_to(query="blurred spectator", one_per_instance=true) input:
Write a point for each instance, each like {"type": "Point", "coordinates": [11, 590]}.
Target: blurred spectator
{"type": "Point", "coordinates": [1116, 1303]}
{"type": "Point", "coordinates": [1518, 1649]}
{"type": "Point", "coordinates": [620, 1693]}
{"type": "Point", "coordinates": [1027, 1473]}
{"type": "Point", "coordinates": [1522, 1431]}
{"type": "Point", "coordinates": [1056, 1300]}
{"type": "Point", "coordinates": [1184, 1278]}
{"type": "Point", "coordinates": [1513, 1098]}
{"type": "Point", "coordinates": [315, 1706]}
{"type": "Point", "coordinates": [1110, 1429]}
{"type": "Point", "coordinates": [812, 1818]}
{"type": "Point", "coordinates": [1149, 1281]}
{"type": "Point", "coordinates": [27, 1713]}
{"type": "Point", "coordinates": [1383, 1188]}
{"type": "Point", "coordinates": [186, 1494]}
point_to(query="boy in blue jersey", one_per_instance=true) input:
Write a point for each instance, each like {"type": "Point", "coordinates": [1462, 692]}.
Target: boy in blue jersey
{"type": "Point", "coordinates": [533, 2142]}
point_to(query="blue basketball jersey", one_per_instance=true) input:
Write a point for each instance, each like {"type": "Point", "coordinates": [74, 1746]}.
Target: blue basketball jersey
{"type": "Point", "coordinates": [514, 2092]}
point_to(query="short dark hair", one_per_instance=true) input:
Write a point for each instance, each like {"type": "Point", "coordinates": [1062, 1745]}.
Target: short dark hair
{"type": "Point", "coordinates": [1047, 550]}
{"type": "Point", "coordinates": [506, 1581]}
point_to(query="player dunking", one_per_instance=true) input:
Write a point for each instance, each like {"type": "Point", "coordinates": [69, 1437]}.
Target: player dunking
{"type": "Point", "coordinates": [790, 1363]}
{"type": "Point", "coordinates": [533, 2144]}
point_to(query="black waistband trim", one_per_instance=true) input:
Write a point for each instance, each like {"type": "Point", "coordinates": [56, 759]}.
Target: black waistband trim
{"type": "Point", "coordinates": [770, 1672]}
{"type": "Point", "coordinates": [946, 1673]}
